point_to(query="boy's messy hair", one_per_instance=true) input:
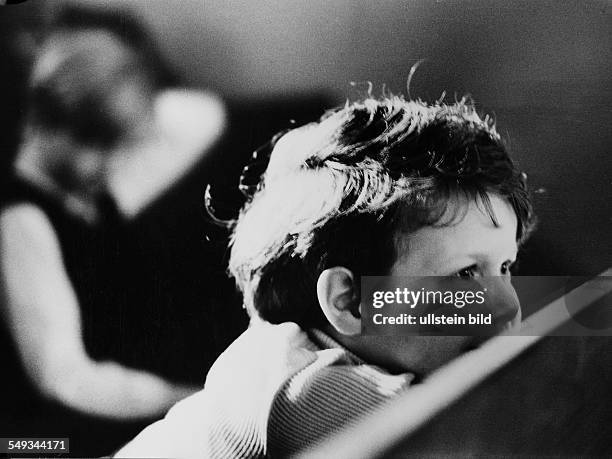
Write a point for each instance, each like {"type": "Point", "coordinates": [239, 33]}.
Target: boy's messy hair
{"type": "Point", "coordinates": [338, 192]}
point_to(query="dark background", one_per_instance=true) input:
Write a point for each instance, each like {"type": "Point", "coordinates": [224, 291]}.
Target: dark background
{"type": "Point", "coordinates": [541, 68]}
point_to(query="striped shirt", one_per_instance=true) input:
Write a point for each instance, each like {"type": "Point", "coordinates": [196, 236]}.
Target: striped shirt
{"type": "Point", "coordinates": [275, 391]}
{"type": "Point", "coordinates": [313, 388]}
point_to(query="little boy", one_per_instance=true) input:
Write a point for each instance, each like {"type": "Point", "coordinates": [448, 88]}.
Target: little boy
{"type": "Point", "coordinates": [378, 187]}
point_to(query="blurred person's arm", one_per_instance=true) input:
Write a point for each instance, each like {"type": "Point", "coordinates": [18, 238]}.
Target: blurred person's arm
{"type": "Point", "coordinates": [186, 124]}
{"type": "Point", "coordinates": [43, 316]}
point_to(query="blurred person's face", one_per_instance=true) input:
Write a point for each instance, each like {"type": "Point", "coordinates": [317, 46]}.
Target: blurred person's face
{"type": "Point", "coordinates": [131, 105]}
{"type": "Point", "coordinates": [77, 167]}
{"type": "Point", "coordinates": [98, 73]}
{"type": "Point", "coordinates": [472, 248]}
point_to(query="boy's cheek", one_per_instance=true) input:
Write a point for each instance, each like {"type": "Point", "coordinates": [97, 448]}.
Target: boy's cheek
{"type": "Point", "coordinates": [487, 307]}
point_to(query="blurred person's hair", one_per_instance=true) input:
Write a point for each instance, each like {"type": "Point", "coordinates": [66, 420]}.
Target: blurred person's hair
{"type": "Point", "coordinates": [130, 30]}
{"type": "Point", "coordinates": [339, 192]}
{"type": "Point", "coordinates": [83, 59]}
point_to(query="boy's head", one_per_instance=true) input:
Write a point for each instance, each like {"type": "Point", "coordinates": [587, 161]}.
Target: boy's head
{"type": "Point", "coordinates": [378, 187]}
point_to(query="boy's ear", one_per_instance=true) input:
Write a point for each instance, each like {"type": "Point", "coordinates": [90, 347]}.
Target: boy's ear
{"type": "Point", "coordinates": [339, 300]}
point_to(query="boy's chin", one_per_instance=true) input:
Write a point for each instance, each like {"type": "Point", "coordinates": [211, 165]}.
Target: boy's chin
{"type": "Point", "coordinates": [415, 354]}
{"type": "Point", "coordinates": [425, 354]}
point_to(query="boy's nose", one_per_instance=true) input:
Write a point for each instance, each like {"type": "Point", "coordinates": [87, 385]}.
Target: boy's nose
{"type": "Point", "coordinates": [502, 302]}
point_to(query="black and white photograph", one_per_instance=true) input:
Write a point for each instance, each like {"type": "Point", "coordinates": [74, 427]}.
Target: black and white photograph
{"type": "Point", "coordinates": [311, 229]}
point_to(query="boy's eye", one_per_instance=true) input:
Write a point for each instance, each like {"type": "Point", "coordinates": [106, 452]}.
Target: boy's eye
{"type": "Point", "coordinates": [467, 273]}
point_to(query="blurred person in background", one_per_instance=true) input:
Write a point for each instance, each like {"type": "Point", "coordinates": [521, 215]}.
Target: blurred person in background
{"type": "Point", "coordinates": [103, 137]}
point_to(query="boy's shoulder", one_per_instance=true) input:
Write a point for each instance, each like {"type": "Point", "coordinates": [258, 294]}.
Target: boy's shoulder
{"type": "Point", "coordinates": [276, 390]}
{"type": "Point", "coordinates": [335, 390]}
{"type": "Point", "coordinates": [262, 356]}
{"type": "Point", "coordinates": [279, 389]}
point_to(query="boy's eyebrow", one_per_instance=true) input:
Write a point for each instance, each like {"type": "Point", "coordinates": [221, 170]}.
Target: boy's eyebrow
{"type": "Point", "coordinates": [480, 257]}
{"type": "Point", "coordinates": [485, 255]}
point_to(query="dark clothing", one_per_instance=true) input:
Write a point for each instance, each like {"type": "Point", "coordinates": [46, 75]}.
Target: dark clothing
{"type": "Point", "coordinates": [153, 294]}
{"type": "Point", "coordinates": [106, 269]}
{"type": "Point", "coordinates": [104, 264]}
